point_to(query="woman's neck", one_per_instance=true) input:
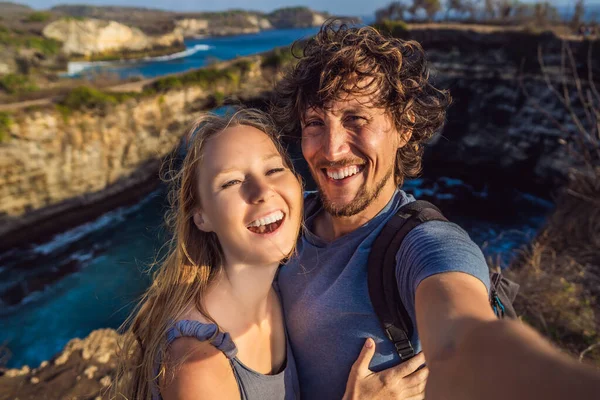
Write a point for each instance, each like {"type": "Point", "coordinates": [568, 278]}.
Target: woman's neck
{"type": "Point", "coordinates": [241, 294]}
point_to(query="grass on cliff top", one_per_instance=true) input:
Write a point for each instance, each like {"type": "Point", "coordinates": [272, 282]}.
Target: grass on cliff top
{"type": "Point", "coordinates": [205, 77]}
{"type": "Point", "coordinates": [17, 84]}
{"type": "Point", "coordinates": [397, 29]}
{"type": "Point", "coordinates": [88, 98]}
{"type": "Point", "coordinates": [278, 57]}
{"type": "Point", "coordinates": [559, 273]}
{"type": "Point", "coordinates": [19, 39]}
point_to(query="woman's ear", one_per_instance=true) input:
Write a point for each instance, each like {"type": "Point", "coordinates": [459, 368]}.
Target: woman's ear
{"type": "Point", "coordinates": [201, 223]}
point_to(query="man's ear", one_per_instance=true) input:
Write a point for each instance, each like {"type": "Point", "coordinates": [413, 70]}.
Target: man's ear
{"type": "Point", "coordinates": [405, 136]}
{"type": "Point", "coordinates": [201, 223]}
{"type": "Point", "coordinates": [406, 133]}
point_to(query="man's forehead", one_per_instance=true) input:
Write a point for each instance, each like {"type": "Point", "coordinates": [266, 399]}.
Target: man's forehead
{"type": "Point", "coordinates": [346, 103]}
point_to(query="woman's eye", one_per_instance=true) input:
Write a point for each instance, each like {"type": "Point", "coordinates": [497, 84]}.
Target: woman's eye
{"type": "Point", "coordinates": [230, 183]}
{"type": "Point", "coordinates": [275, 170]}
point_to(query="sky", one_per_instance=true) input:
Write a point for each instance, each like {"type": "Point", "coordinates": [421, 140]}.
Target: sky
{"type": "Point", "coordinates": [337, 7]}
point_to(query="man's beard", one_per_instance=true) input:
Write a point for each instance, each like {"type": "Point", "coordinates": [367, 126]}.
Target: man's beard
{"type": "Point", "coordinates": [361, 201]}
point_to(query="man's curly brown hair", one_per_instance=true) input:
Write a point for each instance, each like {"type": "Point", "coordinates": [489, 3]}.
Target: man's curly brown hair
{"type": "Point", "coordinates": [341, 61]}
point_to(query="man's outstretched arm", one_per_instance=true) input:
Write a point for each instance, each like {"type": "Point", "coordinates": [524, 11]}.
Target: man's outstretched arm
{"type": "Point", "coordinates": [472, 355]}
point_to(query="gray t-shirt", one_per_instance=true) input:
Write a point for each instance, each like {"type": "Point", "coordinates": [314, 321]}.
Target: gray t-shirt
{"type": "Point", "coordinates": [252, 384]}
{"type": "Point", "coordinates": [326, 300]}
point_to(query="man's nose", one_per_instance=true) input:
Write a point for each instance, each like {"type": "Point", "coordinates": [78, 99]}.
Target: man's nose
{"type": "Point", "coordinates": [258, 190]}
{"type": "Point", "coordinates": [335, 142]}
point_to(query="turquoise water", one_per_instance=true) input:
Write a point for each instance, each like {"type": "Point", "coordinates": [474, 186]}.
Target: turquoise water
{"type": "Point", "coordinates": [200, 52]}
{"type": "Point", "coordinates": [112, 255]}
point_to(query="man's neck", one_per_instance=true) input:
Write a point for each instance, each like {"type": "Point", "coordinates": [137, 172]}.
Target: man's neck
{"type": "Point", "coordinates": [330, 228]}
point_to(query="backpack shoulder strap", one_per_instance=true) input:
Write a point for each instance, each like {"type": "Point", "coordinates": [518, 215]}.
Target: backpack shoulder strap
{"type": "Point", "coordinates": [383, 288]}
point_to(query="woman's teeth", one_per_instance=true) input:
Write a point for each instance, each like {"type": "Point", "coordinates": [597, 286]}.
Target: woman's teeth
{"type": "Point", "coordinates": [269, 219]}
{"type": "Point", "coordinates": [267, 224]}
{"type": "Point", "coordinates": [343, 173]}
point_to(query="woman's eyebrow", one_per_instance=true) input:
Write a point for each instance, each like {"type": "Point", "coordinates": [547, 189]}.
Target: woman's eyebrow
{"type": "Point", "coordinates": [267, 157]}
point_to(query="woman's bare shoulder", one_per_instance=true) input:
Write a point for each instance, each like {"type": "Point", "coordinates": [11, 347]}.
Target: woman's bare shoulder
{"type": "Point", "coordinates": [198, 370]}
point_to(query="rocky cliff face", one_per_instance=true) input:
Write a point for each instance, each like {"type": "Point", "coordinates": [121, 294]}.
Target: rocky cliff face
{"type": "Point", "coordinates": [93, 36]}
{"type": "Point", "coordinates": [241, 24]}
{"type": "Point", "coordinates": [499, 128]}
{"type": "Point", "coordinates": [83, 370]}
{"type": "Point", "coordinates": [69, 165]}
{"type": "Point", "coordinates": [236, 23]}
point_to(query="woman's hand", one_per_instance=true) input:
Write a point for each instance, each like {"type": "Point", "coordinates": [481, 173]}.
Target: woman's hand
{"type": "Point", "coordinates": [400, 382]}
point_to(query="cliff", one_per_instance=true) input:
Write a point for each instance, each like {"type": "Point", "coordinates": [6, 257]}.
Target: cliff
{"type": "Point", "coordinates": [502, 127]}
{"type": "Point", "coordinates": [83, 370]}
{"type": "Point", "coordinates": [231, 22]}
{"type": "Point", "coordinates": [235, 23]}
{"type": "Point", "coordinates": [97, 150]}
{"type": "Point", "coordinates": [93, 36]}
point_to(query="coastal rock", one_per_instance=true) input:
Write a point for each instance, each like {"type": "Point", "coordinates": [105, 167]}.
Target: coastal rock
{"type": "Point", "coordinates": [237, 24]}
{"type": "Point", "coordinates": [83, 370]}
{"type": "Point", "coordinates": [93, 36]}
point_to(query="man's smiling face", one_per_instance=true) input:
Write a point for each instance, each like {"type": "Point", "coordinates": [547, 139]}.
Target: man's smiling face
{"type": "Point", "coordinates": [350, 147]}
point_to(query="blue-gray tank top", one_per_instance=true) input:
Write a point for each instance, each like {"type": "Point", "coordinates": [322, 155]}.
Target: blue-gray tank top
{"type": "Point", "coordinates": [252, 385]}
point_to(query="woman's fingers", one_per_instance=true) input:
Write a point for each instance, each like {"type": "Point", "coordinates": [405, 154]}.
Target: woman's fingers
{"type": "Point", "coordinates": [361, 365]}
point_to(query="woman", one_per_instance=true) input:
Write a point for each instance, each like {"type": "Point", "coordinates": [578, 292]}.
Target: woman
{"type": "Point", "coordinates": [211, 324]}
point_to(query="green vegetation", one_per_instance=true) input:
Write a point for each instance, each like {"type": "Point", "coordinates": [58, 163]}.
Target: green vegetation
{"type": "Point", "coordinates": [397, 29]}
{"type": "Point", "coordinates": [38, 16]}
{"type": "Point", "coordinates": [5, 124]}
{"type": "Point", "coordinates": [18, 39]}
{"type": "Point", "coordinates": [84, 97]}
{"type": "Point", "coordinates": [218, 97]}
{"type": "Point", "coordinates": [17, 84]}
{"type": "Point", "coordinates": [206, 78]}
{"type": "Point", "coordinates": [279, 57]}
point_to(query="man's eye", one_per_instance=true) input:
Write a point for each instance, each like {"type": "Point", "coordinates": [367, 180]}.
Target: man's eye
{"type": "Point", "coordinates": [356, 118]}
{"type": "Point", "coordinates": [230, 183]}
{"type": "Point", "coordinates": [313, 122]}
{"type": "Point", "coordinates": [275, 170]}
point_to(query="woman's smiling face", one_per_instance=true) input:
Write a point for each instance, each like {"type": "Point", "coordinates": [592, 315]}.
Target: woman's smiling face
{"type": "Point", "coordinates": [249, 197]}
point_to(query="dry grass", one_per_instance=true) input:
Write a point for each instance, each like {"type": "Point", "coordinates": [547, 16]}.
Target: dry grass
{"type": "Point", "coordinates": [560, 272]}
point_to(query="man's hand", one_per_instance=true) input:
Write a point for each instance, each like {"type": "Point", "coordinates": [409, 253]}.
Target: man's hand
{"type": "Point", "coordinates": [400, 382]}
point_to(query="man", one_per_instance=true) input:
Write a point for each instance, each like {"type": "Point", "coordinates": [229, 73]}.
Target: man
{"type": "Point", "coordinates": [363, 107]}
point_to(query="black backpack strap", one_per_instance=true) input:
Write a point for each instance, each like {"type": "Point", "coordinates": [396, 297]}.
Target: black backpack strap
{"type": "Point", "coordinates": [383, 288]}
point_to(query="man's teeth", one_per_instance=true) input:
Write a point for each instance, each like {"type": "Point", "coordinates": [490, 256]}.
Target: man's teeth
{"type": "Point", "coordinates": [343, 173]}
{"type": "Point", "coordinates": [269, 219]}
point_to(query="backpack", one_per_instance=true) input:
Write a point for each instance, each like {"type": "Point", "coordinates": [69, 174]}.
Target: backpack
{"type": "Point", "coordinates": [383, 288]}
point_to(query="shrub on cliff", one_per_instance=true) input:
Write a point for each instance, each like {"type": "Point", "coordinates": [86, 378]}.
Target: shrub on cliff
{"type": "Point", "coordinates": [84, 97]}
{"type": "Point", "coordinates": [17, 84]}
{"type": "Point", "coordinates": [398, 29]}
{"type": "Point", "coordinates": [38, 16]}
{"type": "Point", "coordinates": [205, 77]}
{"type": "Point", "coordinates": [278, 57]}
{"type": "Point", "coordinates": [5, 123]}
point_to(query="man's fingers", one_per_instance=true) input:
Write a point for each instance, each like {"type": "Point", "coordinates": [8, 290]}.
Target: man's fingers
{"type": "Point", "coordinates": [361, 365]}
{"type": "Point", "coordinates": [412, 386]}
{"type": "Point", "coordinates": [416, 377]}
{"type": "Point", "coordinates": [410, 366]}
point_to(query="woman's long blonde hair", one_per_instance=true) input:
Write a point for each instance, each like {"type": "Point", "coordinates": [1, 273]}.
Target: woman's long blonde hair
{"type": "Point", "coordinates": [193, 261]}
